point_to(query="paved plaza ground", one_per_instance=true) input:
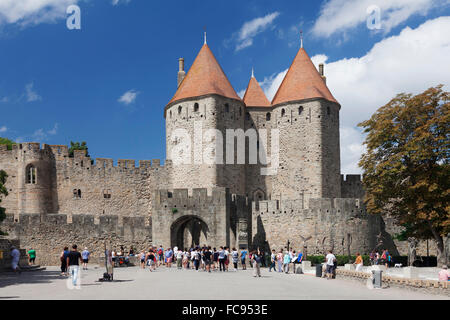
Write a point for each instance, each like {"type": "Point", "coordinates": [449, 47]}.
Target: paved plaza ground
{"type": "Point", "coordinates": [135, 283]}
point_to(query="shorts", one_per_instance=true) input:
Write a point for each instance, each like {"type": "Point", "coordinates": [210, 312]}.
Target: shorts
{"type": "Point", "coordinates": [85, 260]}
{"type": "Point", "coordinates": [207, 262]}
{"type": "Point", "coordinates": [169, 260]}
{"type": "Point", "coordinates": [142, 261]}
{"type": "Point", "coordinates": [32, 260]}
{"type": "Point", "coordinates": [330, 269]}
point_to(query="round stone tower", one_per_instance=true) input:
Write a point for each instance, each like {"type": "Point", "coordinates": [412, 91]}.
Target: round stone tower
{"type": "Point", "coordinates": [36, 178]}
{"type": "Point", "coordinates": [198, 116]}
{"type": "Point", "coordinates": [307, 115]}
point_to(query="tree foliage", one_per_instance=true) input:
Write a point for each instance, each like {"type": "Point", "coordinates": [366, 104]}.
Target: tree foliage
{"type": "Point", "coordinates": [6, 141]}
{"type": "Point", "coordinates": [406, 165]}
{"type": "Point", "coordinates": [78, 146]}
{"type": "Point", "coordinates": [3, 193]}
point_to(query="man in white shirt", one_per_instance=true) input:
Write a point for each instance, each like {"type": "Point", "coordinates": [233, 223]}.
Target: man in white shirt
{"type": "Point", "coordinates": [330, 259]}
{"type": "Point", "coordinates": [15, 257]}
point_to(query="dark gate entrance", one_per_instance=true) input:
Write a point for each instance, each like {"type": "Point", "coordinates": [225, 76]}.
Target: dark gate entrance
{"type": "Point", "coordinates": [188, 231]}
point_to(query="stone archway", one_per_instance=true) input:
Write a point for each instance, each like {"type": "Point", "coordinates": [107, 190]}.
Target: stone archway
{"type": "Point", "coordinates": [188, 231]}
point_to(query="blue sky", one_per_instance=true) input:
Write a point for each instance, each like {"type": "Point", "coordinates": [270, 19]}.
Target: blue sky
{"type": "Point", "coordinates": [107, 84]}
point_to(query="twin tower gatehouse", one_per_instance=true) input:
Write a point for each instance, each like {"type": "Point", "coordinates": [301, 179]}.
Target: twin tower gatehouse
{"type": "Point", "coordinates": [242, 172]}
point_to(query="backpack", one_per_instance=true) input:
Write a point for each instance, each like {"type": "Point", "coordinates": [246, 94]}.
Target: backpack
{"type": "Point", "coordinates": [160, 252]}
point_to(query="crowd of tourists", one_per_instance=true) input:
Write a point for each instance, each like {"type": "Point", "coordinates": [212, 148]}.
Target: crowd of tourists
{"type": "Point", "coordinates": [208, 259]}
{"type": "Point", "coordinates": [220, 259]}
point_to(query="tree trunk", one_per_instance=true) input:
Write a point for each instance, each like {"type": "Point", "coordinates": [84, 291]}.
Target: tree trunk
{"type": "Point", "coordinates": [441, 253]}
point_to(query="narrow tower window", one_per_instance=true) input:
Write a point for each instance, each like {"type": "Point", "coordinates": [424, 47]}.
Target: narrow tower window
{"type": "Point", "coordinates": [31, 174]}
{"type": "Point", "coordinates": [227, 107]}
{"type": "Point", "coordinates": [300, 110]}
{"type": "Point", "coordinates": [268, 116]}
{"type": "Point", "coordinates": [196, 107]}
{"type": "Point", "coordinates": [328, 111]}
{"type": "Point", "coordinates": [247, 116]}
{"type": "Point", "coordinates": [179, 109]}
{"type": "Point", "coordinates": [283, 112]}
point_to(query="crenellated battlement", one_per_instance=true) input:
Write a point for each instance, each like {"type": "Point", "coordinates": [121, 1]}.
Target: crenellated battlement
{"type": "Point", "coordinates": [352, 186]}
{"type": "Point", "coordinates": [180, 198]}
{"type": "Point", "coordinates": [336, 207]}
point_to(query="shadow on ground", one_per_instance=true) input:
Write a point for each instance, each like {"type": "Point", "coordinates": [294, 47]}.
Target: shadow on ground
{"type": "Point", "coordinates": [10, 278]}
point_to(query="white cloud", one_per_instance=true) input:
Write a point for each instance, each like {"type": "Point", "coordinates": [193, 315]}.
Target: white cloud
{"type": "Point", "coordinates": [117, 2]}
{"type": "Point", "coordinates": [54, 130]}
{"type": "Point", "coordinates": [25, 12]}
{"type": "Point", "coordinates": [244, 37]}
{"type": "Point", "coordinates": [30, 94]}
{"type": "Point", "coordinates": [128, 97]}
{"type": "Point", "coordinates": [411, 62]}
{"type": "Point", "coordinates": [344, 15]}
{"type": "Point", "coordinates": [40, 135]}
{"type": "Point", "coordinates": [3, 129]}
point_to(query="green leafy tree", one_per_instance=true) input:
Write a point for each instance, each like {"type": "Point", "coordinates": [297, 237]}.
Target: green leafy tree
{"type": "Point", "coordinates": [406, 166]}
{"type": "Point", "coordinates": [78, 146]}
{"type": "Point", "coordinates": [6, 141]}
{"type": "Point", "coordinates": [3, 193]}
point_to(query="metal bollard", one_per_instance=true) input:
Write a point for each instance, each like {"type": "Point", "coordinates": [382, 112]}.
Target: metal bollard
{"type": "Point", "coordinates": [377, 281]}
{"type": "Point", "coordinates": [319, 270]}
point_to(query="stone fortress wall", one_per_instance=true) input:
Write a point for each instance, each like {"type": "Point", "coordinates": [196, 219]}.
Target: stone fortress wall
{"type": "Point", "coordinates": [50, 233]}
{"type": "Point", "coordinates": [77, 185]}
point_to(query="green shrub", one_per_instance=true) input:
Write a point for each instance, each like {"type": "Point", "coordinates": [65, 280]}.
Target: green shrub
{"type": "Point", "coordinates": [174, 210]}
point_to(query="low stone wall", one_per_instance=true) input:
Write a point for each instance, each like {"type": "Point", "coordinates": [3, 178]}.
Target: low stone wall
{"type": "Point", "coordinates": [49, 234]}
{"type": "Point", "coordinates": [5, 253]}
{"type": "Point", "coordinates": [428, 286]}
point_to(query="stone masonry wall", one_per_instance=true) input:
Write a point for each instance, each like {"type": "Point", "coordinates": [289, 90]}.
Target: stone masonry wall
{"type": "Point", "coordinates": [320, 224]}
{"type": "Point", "coordinates": [201, 169]}
{"type": "Point", "coordinates": [77, 185]}
{"type": "Point", "coordinates": [48, 234]}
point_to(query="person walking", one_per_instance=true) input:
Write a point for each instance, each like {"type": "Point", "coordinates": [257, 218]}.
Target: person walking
{"type": "Point", "coordinates": [63, 258]}
{"type": "Point", "coordinates": [197, 258]}
{"type": "Point", "coordinates": [31, 256]}
{"type": "Point", "coordinates": [179, 259]}
{"type": "Point", "coordinates": [330, 260]}
{"type": "Point", "coordinates": [215, 264]}
{"type": "Point", "coordinates": [286, 262]}
{"type": "Point", "coordinates": [243, 256]}
{"type": "Point", "coordinates": [358, 262]}
{"type": "Point", "coordinates": [85, 255]}
{"type": "Point", "coordinates": [273, 259]}
{"type": "Point", "coordinates": [235, 258]}
{"type": "Point", "coordinates": [207, 257]}
{"type": "Point", "coordinates": [280, 260]}
{"type": "Point", "coordinates": [150, 260]}
{"type": "Point", "coordinates": [227, 258]}
{"type": "Point", "coordinates": [443, 274]}
{"type": "Point", "coordinates": [169, 257]}
{"type": "Point", "coordinates": [221, 259]}
{"type": "Point", "coordinates": [257, 257]}
{"type": "Point", "coordinates": [142, 256]}
{"type": "Point", "coordinates": [73, 259]}
{"type": "Point", "coordinates": [15, 258]}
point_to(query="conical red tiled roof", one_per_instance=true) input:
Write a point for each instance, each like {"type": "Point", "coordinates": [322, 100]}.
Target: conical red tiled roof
{"type": "Point", "coordinates": [205, 77]}
{"type": "Point", "coordinates": [302, 81]}
{"type": "Point", "coordinates": [254, 95]}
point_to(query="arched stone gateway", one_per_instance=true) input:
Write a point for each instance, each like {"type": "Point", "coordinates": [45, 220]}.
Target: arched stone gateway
{"type": "Point", "coordinates": [189, 231]}
{"type": "Point", "coordinates": [216, 219]}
